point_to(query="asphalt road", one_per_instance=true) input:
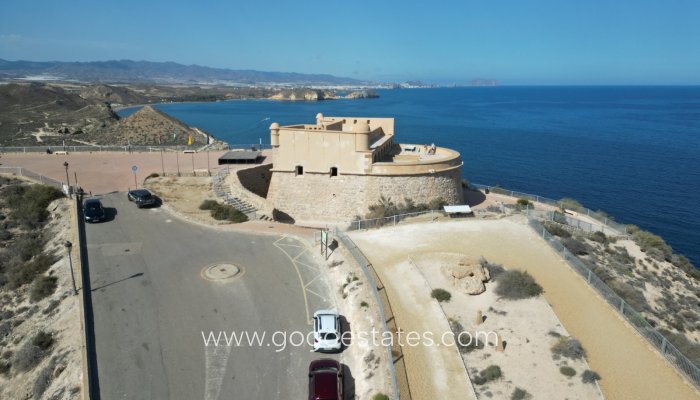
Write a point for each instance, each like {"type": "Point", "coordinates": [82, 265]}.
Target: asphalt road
{"type": "Point", "coordinates": [152, 305]}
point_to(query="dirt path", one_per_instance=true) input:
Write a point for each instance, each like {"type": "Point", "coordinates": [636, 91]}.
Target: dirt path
{"type": "Point", "coordinates": [630, 369]}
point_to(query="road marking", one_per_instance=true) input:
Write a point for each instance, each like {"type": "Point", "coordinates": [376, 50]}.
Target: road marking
{"type": "Point", "coordinates": [215, 361]}
{"type": "Point", "coordinates": [294, 260]}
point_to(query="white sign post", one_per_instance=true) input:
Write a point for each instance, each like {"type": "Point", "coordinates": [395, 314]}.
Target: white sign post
{"type": "Point", "coordinates": [135, 169]}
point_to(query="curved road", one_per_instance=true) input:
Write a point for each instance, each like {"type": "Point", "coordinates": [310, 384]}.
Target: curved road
{"type": "Point", "coordinates": [152, 306]}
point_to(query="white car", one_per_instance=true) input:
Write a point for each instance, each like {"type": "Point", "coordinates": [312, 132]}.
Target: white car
{"type": "Point", "coordinates": [326, 330]}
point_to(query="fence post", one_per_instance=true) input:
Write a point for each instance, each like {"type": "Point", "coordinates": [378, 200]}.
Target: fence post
{"type": "Point", "coordinates": [589, 275]}
{"type": "Point", "coordinates": [622, 307]}
{"type": "Point", "coordinates": [394, 220]}
{"type": "Point", "coordinates": [663, 345]}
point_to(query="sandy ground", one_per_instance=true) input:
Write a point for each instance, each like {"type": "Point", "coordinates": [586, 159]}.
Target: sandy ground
{"type": "Point", "coordinates": [524, 325]}
{"type": "Point", "coordinates": [185, 194]}
{"type": "Point", "coordinates": [630, 369]}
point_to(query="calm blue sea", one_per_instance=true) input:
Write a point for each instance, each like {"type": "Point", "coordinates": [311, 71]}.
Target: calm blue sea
{"type": "Point", "coordinates": [630, 151]}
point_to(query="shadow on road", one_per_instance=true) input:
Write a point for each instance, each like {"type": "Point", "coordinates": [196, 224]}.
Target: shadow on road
{"type": "Point", "coordinates": [348, 383]}
{"type": "Point", "coordinates": [115, 282]}
{"type": "Point", "coordinates": [110, 214]}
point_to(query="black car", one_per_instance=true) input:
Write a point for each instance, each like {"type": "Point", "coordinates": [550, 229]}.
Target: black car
{"type": "Point", "coordinates": [93, 211]}
{"type": "Point", "coordinates": [141, 197]}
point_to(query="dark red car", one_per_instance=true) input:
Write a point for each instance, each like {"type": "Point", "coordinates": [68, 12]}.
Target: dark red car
{"type": "Point", "coordinates": [325, 380]}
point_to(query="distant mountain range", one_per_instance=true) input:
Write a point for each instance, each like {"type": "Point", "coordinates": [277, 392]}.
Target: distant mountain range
{"type": "Point", "coordinates": [128, 71]}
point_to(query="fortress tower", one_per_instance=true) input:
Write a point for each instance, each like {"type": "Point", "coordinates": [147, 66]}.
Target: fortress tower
{"type": "Point", "coordinates": [339, 166]}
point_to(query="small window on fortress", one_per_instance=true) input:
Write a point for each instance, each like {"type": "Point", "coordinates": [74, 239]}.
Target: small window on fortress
{"type": "Point", "coordinates": [334, 171]}
{"type": "Point", "coordinates": [299, 170]}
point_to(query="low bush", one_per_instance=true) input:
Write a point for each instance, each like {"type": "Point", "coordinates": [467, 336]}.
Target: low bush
{"type": "Point", "coordinates": [22, 274]}
{"type": "Point", "coordinates": [153, 175]}
{"type": "Point", "coordinates": [208, 205]}
{"type": "Point", "coordinates": [43, 287]}
{"type": "Point", "coordinates": [5, 367]}
{"type": "Point", "coordinates": [599, 237]}
{"type": "Point", "coordinates": [490, 373]}
{"type": "Point", "coordinates": [516, 285]}
{"type": "Point", "coordinates": [228, 213]}
{"type": "Point", "coordinates": [441, 295]}
{"type": "Point", "coordinates": [380, 396]}
{"type": "Point", "coordinates": [557, 230]}
{"type": "Point", "coordinates": [589, 376]}
{"type": "Point", "coordinates": [568, 371]}
{"type": "Point", "coordinates": [576, 247]}
{"type": "Point", "coordinates": [43, 380]}
{"type": "Point", "coordinates": [519, 394]}
{"type": "Point", "coordinates": [27, 357]}
{"type": "Point", "coordinates": [495, 270]}
{"type": "Point", "coordinates": [570, 204]}
{"type": "Point", "coordinates": [633, 296]}
{"type": "Point", "coordinates": [569, 348]}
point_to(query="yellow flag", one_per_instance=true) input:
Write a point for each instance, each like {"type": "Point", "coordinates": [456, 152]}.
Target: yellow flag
{"type": "Point", "coordinates": [189, 139]}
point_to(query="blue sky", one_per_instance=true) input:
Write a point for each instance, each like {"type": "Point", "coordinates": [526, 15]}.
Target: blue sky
{"type": "Point", "coordinates": [515, 42]}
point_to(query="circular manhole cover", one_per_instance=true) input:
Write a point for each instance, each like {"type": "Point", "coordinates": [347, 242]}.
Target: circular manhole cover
{"type": "Point", "coordinates": [220, 272]}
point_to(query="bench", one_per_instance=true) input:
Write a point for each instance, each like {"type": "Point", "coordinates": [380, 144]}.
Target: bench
{"type": "Point", "coordinates": [61, 152]}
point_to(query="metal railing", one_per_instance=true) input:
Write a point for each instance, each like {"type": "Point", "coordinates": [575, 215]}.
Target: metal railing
{"type": "Point", "coordinates": [122, 149]}
{"type": "Point", "coordinates": [390, 220]}
{"type": "Point", "coordinates": [382, 303]}
{"type": "Point", "coordinates": [636, 320]}
{"type": "Point", "coordinates": [597, 215]}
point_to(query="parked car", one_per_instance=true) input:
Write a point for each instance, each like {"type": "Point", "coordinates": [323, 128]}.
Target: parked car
{"type": "Point", "coordinates": [325, 380]}
{"type": "Point", "coordinates": [141, 197]}
{"type": "Point", "coordinates": [93, 211]}
{"type": "Point", "coordinates": [326, 330]}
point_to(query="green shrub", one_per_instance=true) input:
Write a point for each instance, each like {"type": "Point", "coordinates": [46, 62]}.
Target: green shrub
{"type": "Point", "coordinates": [648, 241]}
{"type": "Point", "coordinates": [27, 357]}
{"type": "Point", "coordinates": [569, 348]}
{"type": "Point", "coordinates": [589, 376]}
{"type": "Point", "coordinates": [557, 230]}
{"type": "Point", "coordinates": [5, 367]}
{"type": "Point", "coordinates": [599, 237]}
{"type": "Point", "coordinates": [43, 380]}
{"type": "Point", "coordinates": [495, 270]}
{"type": "Point", "coordinates": [380, 396]}
{"type": "Point", "coordinates": [441, 295]}
{"type": "Point", "coordinates": [43, 340]}
{"type": "Point", "coordinates": [25, 273]}
{"type": "Point", "coordinates": [568, 371]}
{"type": "Point", "coordinates": [364, 304]}
{"type": "Point", "coordinates": [227, 212]}
{"type": "Point", "coordinates": [519, 394]}
{"type": "Point", "coordinates": [43, 287]}
{"type": "Point", "coordinates": [153, 175]}
{"type": "Point", "coordinates": [208, 205]}
{"type": "Point", "coordinates": [516, 285]}
{"type": "Point", "coordinates": [28, 205]}
{"type": "Point", "coordinates": [490, 373]}
{"type": "Point", "coordinates": [576, 247]}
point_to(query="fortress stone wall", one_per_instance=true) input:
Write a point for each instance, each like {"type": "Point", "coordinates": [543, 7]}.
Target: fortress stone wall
{"type": "Point", "coordinates": [318, 197]}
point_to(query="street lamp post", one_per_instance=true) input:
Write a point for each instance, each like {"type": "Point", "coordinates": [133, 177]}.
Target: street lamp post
{"type": "Point", "coordinates": [70, 194]}
{"type": "Point", "coordinates": [69, 245]}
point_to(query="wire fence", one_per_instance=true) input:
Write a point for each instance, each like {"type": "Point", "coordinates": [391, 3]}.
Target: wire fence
{"type": "Point", "coordinates": [395, 353]}
{"type": "Point", "coordinates": [599, 216]}
{"type": "Point", "coordinates": [25, 173]}
{"type": "Point", "coordinates": [570, 221]}
{"type": "Point", "coordinates": [636, 320]}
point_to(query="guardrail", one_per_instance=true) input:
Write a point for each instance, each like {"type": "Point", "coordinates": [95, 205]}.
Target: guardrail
{"type": "Point", "coordinates": [383, 303]}
{"type": "Point", "coordinates": [636, 320]}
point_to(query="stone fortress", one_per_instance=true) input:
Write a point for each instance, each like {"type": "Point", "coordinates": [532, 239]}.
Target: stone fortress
{"type": "Point", "coordinates": [335, 169]}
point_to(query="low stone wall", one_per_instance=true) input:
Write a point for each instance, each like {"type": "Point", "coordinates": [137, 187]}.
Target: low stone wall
{"type": "Point", "coordinates": [342, 198]}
